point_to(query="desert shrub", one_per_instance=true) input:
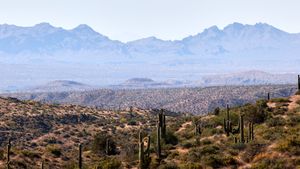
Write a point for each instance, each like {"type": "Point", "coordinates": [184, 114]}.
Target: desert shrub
{"type": "Point", "coordinates": [279, 110]}
{"type": "Point", "coordinates": [123, 120]}
{"type": "Point", "coordinates": [274, 163]}
{"type": "Point", "coordinates": [171, 138]}
{"type": "Point", "coordinates": [30, 154]}
{"type": "Point", "coordinates": [206, 142]}
{"type": "Point", "coordinates": [290, 145]}
{"type": "Point", "coordinates": [168, 166]}
{"type": "Point", "coordinates": [293, 120]}
{"type": "Point", "coordinates": [99, 144]}
{"type": "Point", "coordinates": [129, 151]}
{"type": "Point", "coordinates": [187, 144]}
{"type": "Point", "coordinates": [238, 146]}
{"type": "Point", "coordinates": [132, 122]}
{"type": "Point", "coordinates": [273, 133]}
{"type": "Point", "coordinates": [251, 150]}
{"type": "Point", "coordinates": [194, 155]}
{"type": "Point", "coordinates": [275, 121]}
{"type": "Point", "coordinates": [280, 100]}
{"type": "Point", "coordinates": [18, 164]}
{"type": "Point", "coordinates": [2, 156]}
{"type": "Point", "coordinates": [191, 166]}
{"type": "Point", "coordinates": [213, 161]}
{"type": "Point", "coordinates": [210, 149]}
{"type": "Point", "coordinates": [255, 113]}
{"type": "Point", "coordinates": [109, 163]}
{"type": "Point", "coordinates": [54, 150]}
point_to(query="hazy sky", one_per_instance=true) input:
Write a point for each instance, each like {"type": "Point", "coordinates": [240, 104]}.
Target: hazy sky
{"type": "Point", "coordinates": [166, 19]}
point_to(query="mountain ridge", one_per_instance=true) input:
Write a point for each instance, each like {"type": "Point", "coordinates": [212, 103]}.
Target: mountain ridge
{"type": "Point", "coordinates": [87, 56]}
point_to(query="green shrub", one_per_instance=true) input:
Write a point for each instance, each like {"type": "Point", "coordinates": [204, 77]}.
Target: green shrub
{"type": "Point", "coordinates": [251, 150]}
{"type": "Point", "coordinates": [168, 166]}
{"type": "Point", "coordinates": [210, 149]}
{"type": "Point", "coordinates": [290, 145]}
{"type": "Point", "coordinates": [187, 144]}
{"type": "Point", "coordinates": [109, 163]}
{"type": "Point", "coordinates": [192, 166]}
{"type": "Point", "coordinates": [255, 113]}
{"type": "Point", "coordinates": [280, 100]}
{"type": "Point", "coordinates": [54, 150]}
{"type": "Point", "coordinates": [99, 144]}
{"type": "Point", "coordinates": [213, 161]}
{"type": "Point", "coordinates": [171, 138]}
{"type": "Point", "coordinates": [30, 154]}
{"type": "Point", "coordinates": [274, 163]}
{"type": "Point", "coordinates": [275, 121]}
{"type": "Point", "coordinates": [238, 146]}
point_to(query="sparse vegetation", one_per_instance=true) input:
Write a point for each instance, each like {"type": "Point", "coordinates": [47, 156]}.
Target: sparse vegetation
{"type": "Point", "coordinates": [263, 134]}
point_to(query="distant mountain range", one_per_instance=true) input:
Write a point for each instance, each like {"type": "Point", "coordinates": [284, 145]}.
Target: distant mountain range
{"type": "Point", "coordinates": [31, 56]}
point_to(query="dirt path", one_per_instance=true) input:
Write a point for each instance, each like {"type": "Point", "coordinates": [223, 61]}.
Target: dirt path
{"type": "Point", "coordinates": [184, 126]}
{"type": "Point", "coordinates": [293, 104]}
{"type": "Point", "coordinates": [271, 104]}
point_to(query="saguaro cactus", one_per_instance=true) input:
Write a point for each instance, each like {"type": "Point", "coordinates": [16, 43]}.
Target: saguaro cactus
{"type": "Point", "coordinates": [162, 123]}
{"type": "Point", "coordinates": [141, 150]}
{"type": "Point", "coordinates": [235, 140]}
{"type": "Point", "coordinates": [252, 131]}
{"type": "Point", "coordinates": [298, 82]}
{"type": "Point", "coordinates": [158, 141]}
{"type": "Point", "coordinates": [107, 147]}
{"type": "Point", "coordinates": [164, 126]}
{"type": "Point", "coordinates": [80, 157]}
{"type": "Point", "coordinates": [227, 123]}
{"type": "Point", "coordinates": [42, 165]}
{"type": "Point", "coordinates": [198, 130]}
{"type": "Point", "coordinates": [148, 146]}
{"type": "Point", "coordinates": [8, 153]}
{"type": "Point", "coordinates": [242, 137]}
{"type": "Point", "coordinates": [269, 96]}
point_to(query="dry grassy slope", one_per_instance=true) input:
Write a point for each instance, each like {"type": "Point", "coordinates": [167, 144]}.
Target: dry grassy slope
{"type": "Point", "coordinates": [34, 127]}
{"type": "Point", "coordinates": [37, 129]}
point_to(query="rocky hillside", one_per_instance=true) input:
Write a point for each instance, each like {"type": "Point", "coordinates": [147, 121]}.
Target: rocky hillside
{"type": "Point", "coordinates": [50, 134]}
{"type": "Point", "coordinates": [193, 100]}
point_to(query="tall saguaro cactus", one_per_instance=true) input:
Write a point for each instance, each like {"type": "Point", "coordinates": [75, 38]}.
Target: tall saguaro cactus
{"type": "Point", "coordinates": [148, 146]}
{"type": "Point", "coordinates": [164, 126]}
{"type": "Point", "coordinates": [269, 96]}
{"type": "Point", "coordinates": [107, 147]}
{"type": "Point", "coordinates": [8, 153]}
{"type": "Point", "coordinates": [298, 82]}
{"type": "Point", "coordinates": [252, 132]}
{"type": "Point", "coordinates": [198, 131]}
{"type": "Point", "coordinates": [242, 136]}
{"type": "Point", "coordinates": [158, 141]}
{"type": "Point", "coordinates": [227, 122]}
{"type": "Point", "coordinates": [42, 165]}
{"type": "Point", "coordinates": [162, 123]}
{"type": "Point", "coordinates": [144, 156]}
{"type": "Point", "coordinates": [141, 151]}
{"type": "Point", "coordinates": [80, 157]}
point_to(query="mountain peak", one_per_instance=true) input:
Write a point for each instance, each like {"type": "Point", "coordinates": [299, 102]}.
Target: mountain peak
{"type": "Point", "coordinates": [43, 25]}
{"type": "Point", "coordinates": [84, 29]}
